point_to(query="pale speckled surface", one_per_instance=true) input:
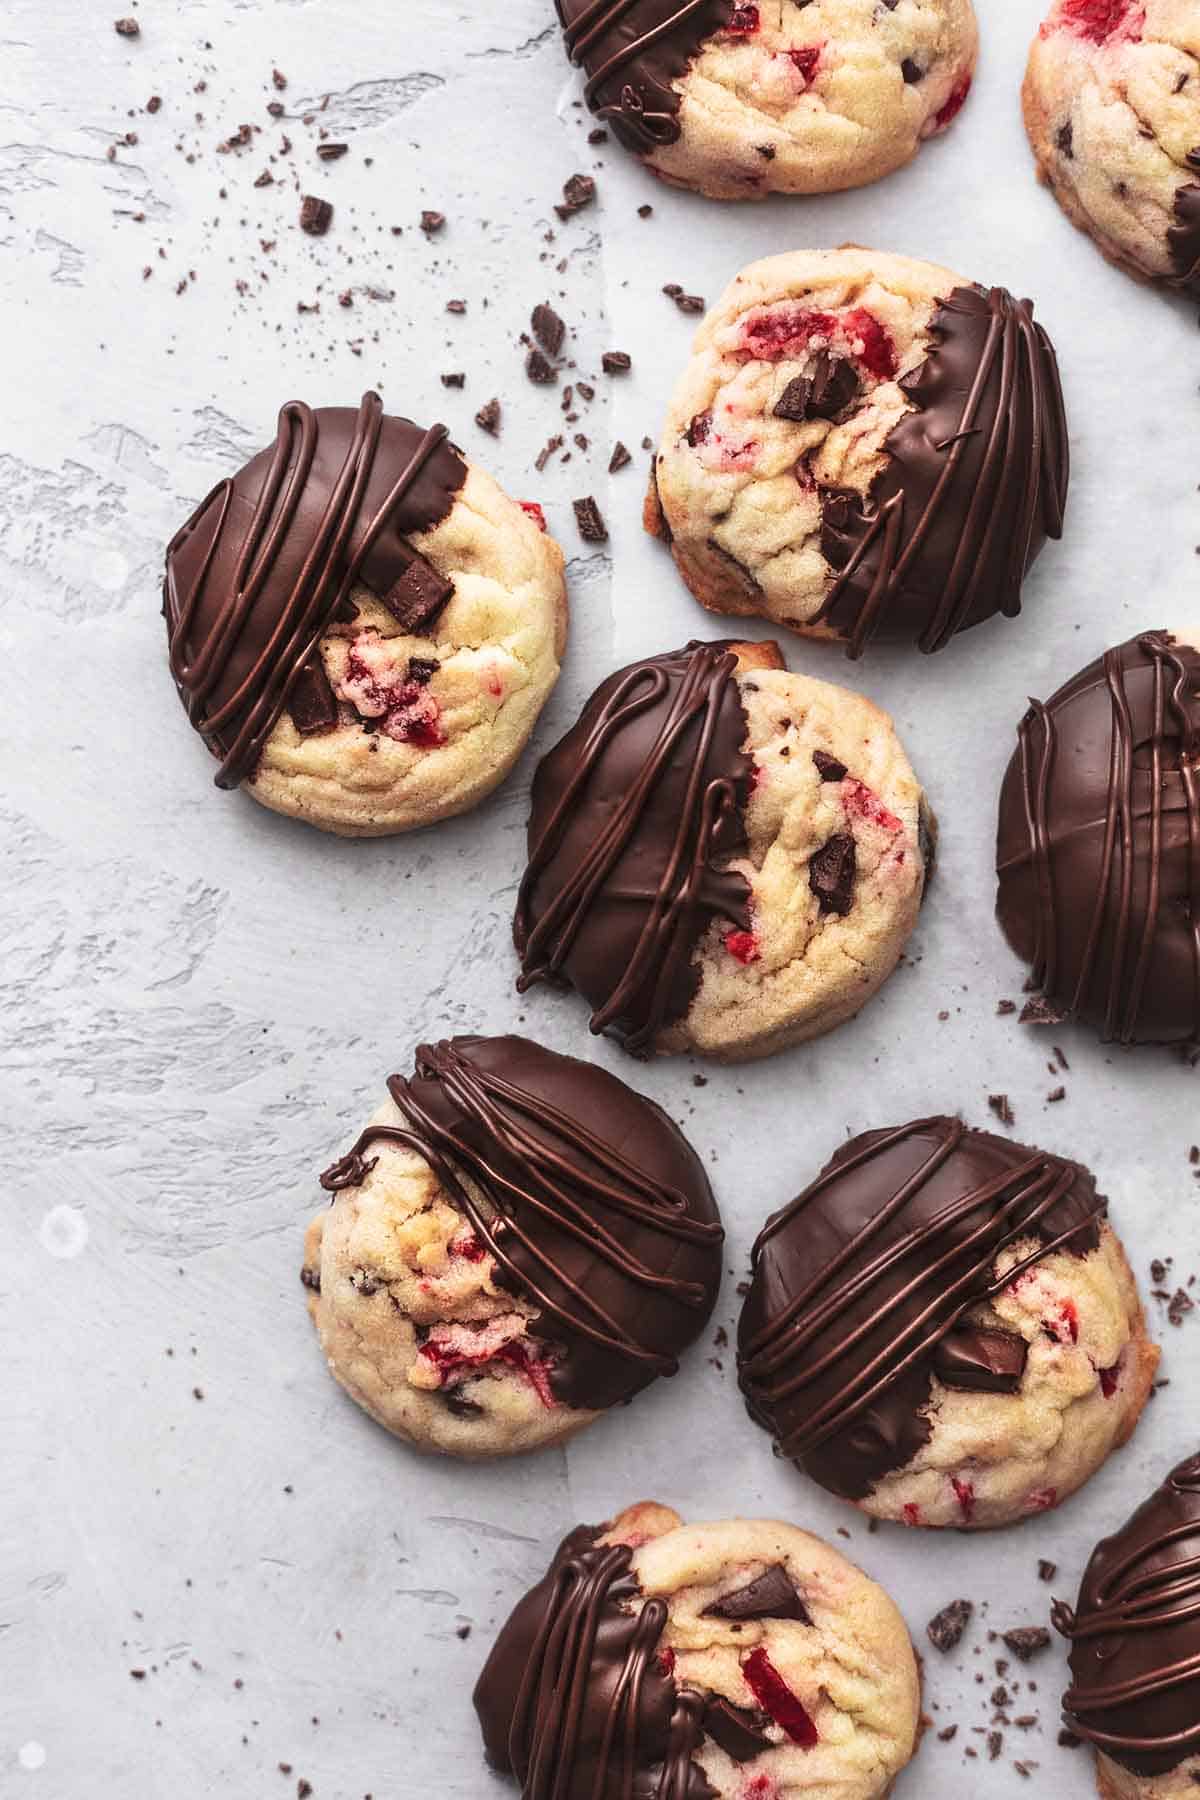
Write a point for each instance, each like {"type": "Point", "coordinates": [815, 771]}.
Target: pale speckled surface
{"type": "Point", "coordinates": [201, 1001]}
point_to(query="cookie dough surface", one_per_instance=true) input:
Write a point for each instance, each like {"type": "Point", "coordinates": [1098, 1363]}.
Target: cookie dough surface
{"type": "Point", "coordinates": [785, 1670]}
{"type": "Point", "coordinates": [782, 96]}
{"type": "Point", "coordinates": [862, 445]}
{"type": "Point", "coordinates": [1112, 108]}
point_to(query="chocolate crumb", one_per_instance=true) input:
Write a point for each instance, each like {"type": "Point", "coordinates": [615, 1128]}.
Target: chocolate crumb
{"type": "Point", "coordinates": [1068, 1740]}
{"type": "Point", "coordinates": [946, 1628]}
{"type": "Point", "coordinates": [432, 222]}
{"type": "Point", "coordinates": [1058, 1093]}
{"type": "Point", "coordinates": [548, 328]}
{"type": "Point", "coordinates": [316, 215]}
{"type": "Point", "coordinates": [688, 303]}
{"type": "Point", "coordinates": [616, 362]}
{"type": "Point", "coordinates": [620, 458]}
{"type": "Point", "coordinates": [1027, 1641]}
{"type": "Point", "coordinates": [1046, 1570]}
{"type": "Point", "coordinates": [540, 369]}
{"type": "Point", "coordinates": [331, 152]}
{"type": "Point", "coordinates": [644, 212]}
{"type": "Point", "coordinates": [590, 521]}
{"type": "Point", "coordinates": [1004, 1007]}
{"type": "Point", "coordinates": [999, 1104]}
{"type": "Point", "coordinates": [948, 1735]}
{"type": "Point", "coordinates": [578, 191]}
{"type": "Point", "coordinates": [488, 417]}
{"type": "Point", "coordinates": [1040, 1011]}
{"type": "Point", "coordinates": [455, 380]}
{"type": "Point", "coordinates": [127, 28]}
{"type": "Point", "coordinates": [995, 1744]}
{"type": "Point", "coordinates": [1180, 1305]}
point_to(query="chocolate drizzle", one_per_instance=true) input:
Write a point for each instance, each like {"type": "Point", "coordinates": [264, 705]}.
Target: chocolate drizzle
{"type": "Point", "coordinates": [591, 1201]}
{"type": "Point", "coordinates": [1135, 1656]}
{"type": "Point", "coordinates": [575, 1702]}
{"type": "Point", "coordinates": [1183, 238]}
{"type": "Point", "coordinates": [634, 814]}
{"type": "Point", "coordinates": [974, 483]}
{"type": "Point", "coordinates": [1098, 851]}
{"type": "Point", "coordinates": [633, 52]}
{"type": "Point", "coordinates": [864, 1283]}
{"type": "Point", "coordinates": [267, 561]}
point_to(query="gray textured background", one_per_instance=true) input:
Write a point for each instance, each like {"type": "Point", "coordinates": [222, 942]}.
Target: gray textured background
{"type": "Point", "coordinates": [201, 1001]}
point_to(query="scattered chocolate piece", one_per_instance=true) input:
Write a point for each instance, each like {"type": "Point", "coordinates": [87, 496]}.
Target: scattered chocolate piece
{"type": "Point", "coordinates": [1027, 1641]}
{"type": "Point", "coordinates": [688, 303]}
{"type": "Point", "coordinates": [278, 80]}
{"type": "Point", "coordinates": [1058, 1093]}
{"type": "Point", "coordinates": [999, 1104]}
{"type": "Point", "coordinates": [1046, 1570]}
{"type": "Point", "coordinates": [946, 1628]}
{"type": "Point", "coordinates": [1068, 1740]}
{"type": "Point", "coordinates": [548, 329]}
{"type": "Point", "coordinates": [1039, 1011]}
{"type": "Point", "coordinates": [1004, 1007]}
{"type": "Point", "coordinates": [590, 521]}
{"type": "Point", "coordinates": [331, 152]}
{"type": "Point", "coordinates": [455, 380]}
{"type": "Point", "coordinates": [616, 362]}
{"type": "Point", "coordinates": [432, 222]}
{"type": "Point", "coordinates": [154, 103]}
{"type": "Point", "coordinates": [488, 417]}
{"type": "Point", "coordinates": [1179, 1307]}
{"type": "Point", "coordinates": [579, 191]}
{"type": "Point", "coordinates": [832, 871]}
{"type": "Point", "coordinates": [828, 767]}
{"type": "Point", "coordinates": [948, 1735]}
{"type": "Point", "coordinates": [316, 215]}
{"type": "Point", "coordinates": [995, 1744]}
{"type": "Point", "coordinates": [540, 369]}
{"type": "Point", "coordinates": [598, 135]}
{"type": "Point", "coordinates": [644, 212]}
{"type": "Point", "coordinates": [769, 1596]}
{"type": "Point", "coordinates": [458, 307]}
{"type": "Point", "coordinates": [620, 458]}
{"type": "Point", "coordinates": [127, 28]}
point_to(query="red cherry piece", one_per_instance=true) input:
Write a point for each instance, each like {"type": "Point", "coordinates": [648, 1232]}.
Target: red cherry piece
{"type": "Point", "coordinates": [964, 1493]}
{"type": "Point", "coordinates": [805, 60]}
{"type": "Point", "coordinates": [776, 1698]}
{"type": "Point", "coordinates": [1099, 19]}
{"type": "Point", "coordinates": [861, 803]}
{"type": "Point", "coordinates": [535, 512]}
{"type": "Point", "coordinates": [743, 945]}
{"type": "Point", "coordinates": [954, 104]}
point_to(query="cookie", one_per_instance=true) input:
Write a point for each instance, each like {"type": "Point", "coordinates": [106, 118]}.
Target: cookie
{"type": "Point", "coordinates": [787, 96]}
{"type": "Point", "coordinates": [517, 1242]}
{"type": "Point", "coordinates": [723, 857]}
{"type": "Point", "coordinates": [742, 1660]}
{"type": "Point", "coordinates": [1098, 848]}
{"type": "Point", "coordinates": [862, 446]}
{"type": "Point", "coordinates": [1112, 108]}
{"type": "Point", "coordinates": [1135, 1648]}
{"type": "Point", "coordinates": [362, 627]}
{"type": "Point", "coordinates": [944, 1330]}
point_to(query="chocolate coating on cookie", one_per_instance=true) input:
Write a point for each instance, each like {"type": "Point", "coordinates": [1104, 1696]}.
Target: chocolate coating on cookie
{"type": "Point", "coordinates": [267, 561]}
{"type": "Point", "coordinates": [1135, 1654]}
{"type": "Point", "coordinates": [573, 1700]}
{"type": "Point", "coordinates": [1098, 850]}
{"type": "Point", "coordinates": [974, 483]}
{"type": "Point", "coordinates": [589, 1198]}
{"type": "Point", "coordinates": [633, 52]}
{"type": "Point", "coordinates": [634, 813]}
{"type": "Point", "coordinates": [1183, 238]}
{"type": "Point", "coordinates": [862, 1286]}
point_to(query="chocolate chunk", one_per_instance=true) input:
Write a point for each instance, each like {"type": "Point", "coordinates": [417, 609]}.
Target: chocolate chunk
{"type": "Point", "coordinates": [1027, 1641]}
{"type": "Point", "coordinates": [311, 701]}
{"type": "Point", "coordinates": [1046, 1570]}
{"type": "Point", "coordinates": [432, 222]}
{"type": "Point", "coordinates": [540, 369]}
{"type": "Point", "coordinates": [488, 417]}
{"type": "Point", "coordinates": [832, 871]}
{"type": "Point", "coordinates": [740, 1734]}
{"type": "Point", "coordinates": [1064, 137]}
{"type": "Point", "coordinates": [128, 28]}
{"type": "Point", "coordinates": [590, 521]}
{"type": "Point", "coordinates": [316, 215]}
{"type": "Point", "coordinates": [579, 191]}
{"type": "Point", "coordinates": [828, 767]}
{"type": "Point", "coordinates": [823, 394]}
{"type": "Point", "coordinates": [331, 152]}
{"type": "Point", "coordinates": [690, 303]}
{"type": "Point", "coordinates": [616, 362]}
{"type": "Point", "coordinates": [946, 1628]}
{"type": "Point", "coordinates": [456, 379]}
{"type": "Point", "coordinates": [548, 328]}
{"type": "Point", "coordinates": [911, 71]}
{"type": "Point", "coordinates": [422, 669]}
{"type": "Point", "coordinates": [419, 595]}
{"type": "Point", "coordinates": [769, 1596]}
{"type": "Point", "coordinates": [619, 459]}
{"type": "Point", "coordinates": [984, 1362]}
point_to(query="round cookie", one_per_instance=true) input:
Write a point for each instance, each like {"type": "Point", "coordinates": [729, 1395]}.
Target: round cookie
{"type": "Point", "coordinates": [1112, 108]}
{"type": "Point", "coordinates": [1135, 1655]}
{"type": "Point", "coordinates": [944, 1330]}
{"type": "Point", "coordinates": [786, 96]}
{"type": "Point", "coordinates": [862, 446]}
{"type": "Point", "coordinates": [362, 627]}
{"type": "Point", "coordinates": [1098, 848]}
{"type": "Point", "coordinates": [517, 1242]}
{"type": "Point", "coordinates": [723, 857]}
{"type": "Point", "coordinates": [742, 1660]}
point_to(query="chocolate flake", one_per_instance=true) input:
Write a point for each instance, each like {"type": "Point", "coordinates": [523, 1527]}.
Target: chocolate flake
{"type": "Point", "coordinates": [432, 222]}
{"type": "Point", "coordinates": [590, 521]}
{"type": "Point", "coordinates": [946, 1628]}
{"type": "Point", "coordinates": [316, 215]}
{"type": "Point", "coordinates": [548, 329]}
{"type": "Point", "coordinates": [331, 152]}
{"type": "Point", "coordinates": [578, 191]}
{"type": "Point", "coordinates": [999, 1104]}
{"type": "Point", "coordinates": [488, 417]}
{"type": "Point", "coordinates": [540, 369]}
{"type": "Point", "coordinates": [620, 458]}
{"type": "Point", "coordinates": [127, 28]}
{"type": "Point", "coordinates": [616, 362]}
{"type": "Point", "coordinates": [1027, 1641]}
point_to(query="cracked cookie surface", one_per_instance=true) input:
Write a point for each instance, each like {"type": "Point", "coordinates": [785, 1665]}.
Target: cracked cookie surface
{"type": "Point", "coordinates": [783, 96]}
{"type": "Point", "coordinates": [744, 1659]}
{"type": "Point", "coordinates": [363, 626]}
{"type": "Point", "coordinates": [862, 446]}
{"type": "Point", "coordinates": [944, 1328]}
{"type": "Point", "coordinates": [1112, 109]}
{"type": "Point", "coordinates": [724, 857]}
{"type": "Point", "coordinates": [517, 1242]}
